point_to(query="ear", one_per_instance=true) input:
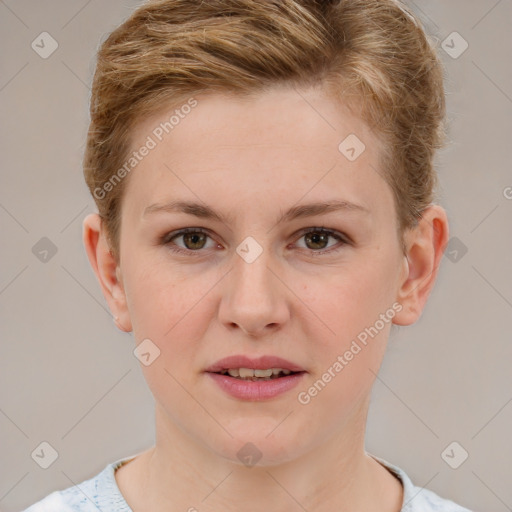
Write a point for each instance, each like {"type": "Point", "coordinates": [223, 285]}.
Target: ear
{"type": "Point", "coordinates": [106, 269]}
{"type": "Point", "coordinates": [425, 246]}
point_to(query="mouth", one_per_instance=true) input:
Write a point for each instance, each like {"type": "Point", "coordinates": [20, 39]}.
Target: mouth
{"type": "Point", "coordinates": [255, 375]}
{"type": "Point", "coordinates": [263, 378]}
{"type": "Point", "coordinates": [264, 367]}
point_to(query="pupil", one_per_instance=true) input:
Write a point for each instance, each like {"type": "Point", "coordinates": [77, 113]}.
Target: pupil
{"type": "Point", "coordinates": [194, 237]}
{"type": "Point", "coordinates": [316, 236]}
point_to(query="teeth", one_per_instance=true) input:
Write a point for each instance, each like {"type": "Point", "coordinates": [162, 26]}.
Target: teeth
{"type": "Point", "coordinates": [263, 373]}
{"type": "Point", "coordinates": [245, 373]}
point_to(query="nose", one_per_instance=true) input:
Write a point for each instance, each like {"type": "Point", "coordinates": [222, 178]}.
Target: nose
{"type": "Point", "coordinates": [254, 298]}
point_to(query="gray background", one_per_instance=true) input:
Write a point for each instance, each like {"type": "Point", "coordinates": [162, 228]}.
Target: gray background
{"type": "Point", "coordinates": [69, 377]}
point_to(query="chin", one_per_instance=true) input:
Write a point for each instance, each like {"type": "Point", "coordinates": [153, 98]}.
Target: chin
{"type": "Point", "coordinates": [259, 444]}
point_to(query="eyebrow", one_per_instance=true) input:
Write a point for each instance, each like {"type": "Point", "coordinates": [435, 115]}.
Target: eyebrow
{"type": "Point", "coordinates": [305, 210]}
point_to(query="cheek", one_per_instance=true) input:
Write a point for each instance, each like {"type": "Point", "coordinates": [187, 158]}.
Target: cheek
{"type": "Point", "coordinates": [343, 304]}
{"type": "Point", "coordinates": [354, 311]}
{"type": "Point", "coordinates": [166, 308]}
{"type": "Point", "coordinates": [345, 363]}
{"type": "Point", "coordinates": [161, 298]}
{"type": "Point", "coordinates": [173, 309]}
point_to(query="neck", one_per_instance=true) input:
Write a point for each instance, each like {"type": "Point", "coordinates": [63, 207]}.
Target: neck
{"type": "Point", "coordinates": [335, 475]}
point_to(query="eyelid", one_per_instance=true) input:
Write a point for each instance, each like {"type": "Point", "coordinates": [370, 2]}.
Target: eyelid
{"type": "Point", "coordinates": [333, 232]}
{"type": "Point", "coordinates": [168, 236]}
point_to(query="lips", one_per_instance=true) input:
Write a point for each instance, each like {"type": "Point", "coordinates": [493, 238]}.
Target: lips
{"type": "Point", "coordinates": [262, 363]}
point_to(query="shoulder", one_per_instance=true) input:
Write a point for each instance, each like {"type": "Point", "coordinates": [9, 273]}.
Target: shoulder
{"type": "Point", "coordinates": [98, 493]}
{"type": "Point", "coordinates": [72, 499]}
{"type": "Point", "coordinates": [423, 500]}
{"type": "Point", "coordinates": [419, 499]}
{"type": "Point", "coordinates": [57, 501]}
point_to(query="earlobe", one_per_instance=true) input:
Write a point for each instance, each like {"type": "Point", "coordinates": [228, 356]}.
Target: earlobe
{"type": "Point", "coordinates": [106, 269]}
{"type": "Point", "coordinates": [425, 247]}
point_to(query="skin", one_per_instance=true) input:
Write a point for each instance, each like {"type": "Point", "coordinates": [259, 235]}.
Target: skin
{"type": "Point", "coordinates": [252, 159]}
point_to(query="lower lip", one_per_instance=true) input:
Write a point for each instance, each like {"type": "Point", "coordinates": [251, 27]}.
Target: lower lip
{"type": "Point", "coordinates": [256, 390]}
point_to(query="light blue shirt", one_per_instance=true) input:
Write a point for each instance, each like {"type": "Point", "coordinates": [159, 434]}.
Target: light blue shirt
{"type": "Point", "coordinates": [101, 493]}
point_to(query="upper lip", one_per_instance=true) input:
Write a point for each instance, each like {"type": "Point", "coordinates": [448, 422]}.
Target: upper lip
{"type": "Point", "coordinates": [260, 363]}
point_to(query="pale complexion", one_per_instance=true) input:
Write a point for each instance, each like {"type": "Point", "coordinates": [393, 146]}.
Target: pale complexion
{"type": "Point", "coordinates": [250, 161]}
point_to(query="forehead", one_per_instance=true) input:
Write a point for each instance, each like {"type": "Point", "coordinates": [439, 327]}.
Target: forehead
{"type": "Point", "coordinates": [290, 142]}
{"type": "Point", "coordinates": [279, 115]}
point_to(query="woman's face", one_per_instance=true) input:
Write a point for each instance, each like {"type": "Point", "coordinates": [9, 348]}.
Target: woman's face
{"type": "Point", "coordinates": [252, 282]}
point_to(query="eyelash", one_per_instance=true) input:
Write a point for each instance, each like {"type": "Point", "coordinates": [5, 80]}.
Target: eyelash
{"type": "Point", "coordinates": [167, 240]}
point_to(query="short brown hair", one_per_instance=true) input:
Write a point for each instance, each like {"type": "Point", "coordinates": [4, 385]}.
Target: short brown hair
{"type": "Point", "coordinates": [373, 51]}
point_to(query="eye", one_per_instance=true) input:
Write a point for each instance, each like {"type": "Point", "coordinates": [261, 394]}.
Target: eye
{"type": "Point", "coordinates": [194, 239]}
{"type": "Point", "coordinates": [317, 238]}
